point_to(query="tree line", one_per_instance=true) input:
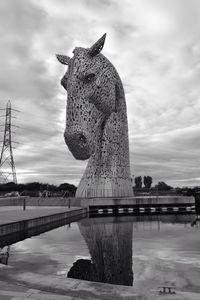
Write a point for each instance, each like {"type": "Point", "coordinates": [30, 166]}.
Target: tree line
{"type": "Point", "coordinates": [33, 187]}
{"type": "Point", "coordinates": [147, 181]}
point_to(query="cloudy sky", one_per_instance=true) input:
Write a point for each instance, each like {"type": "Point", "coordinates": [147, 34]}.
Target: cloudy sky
{"type": "Point", "coordinates": [155, 46]}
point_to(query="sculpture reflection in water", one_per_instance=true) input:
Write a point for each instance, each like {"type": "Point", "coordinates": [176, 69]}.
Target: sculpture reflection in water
{"type": "Point", "coordinates": [110, 245]}
{"type": "Point", "coordinates": [110, 241]}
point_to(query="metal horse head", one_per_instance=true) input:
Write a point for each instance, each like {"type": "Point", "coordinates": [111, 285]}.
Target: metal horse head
{"type": "Point", "coordinates": [91, 97]}
{"type": "Point", "coordinates": [96, 119]}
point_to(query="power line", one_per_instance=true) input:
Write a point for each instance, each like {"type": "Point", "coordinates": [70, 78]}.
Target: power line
{"type": "Point", "coordinates": [12, 109]}
{"type": "Point", "coordinates": [23, 125]}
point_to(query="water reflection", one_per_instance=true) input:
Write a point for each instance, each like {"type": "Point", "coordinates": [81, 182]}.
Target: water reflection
{"type": "Point", "coordinates": [159, 250]}
{"type": "Point", "coordinates": [109, 241]}
{"type": "Point", "coordinates": [110, 245]}
{"type": "Point", "coordinates": [4, 255]}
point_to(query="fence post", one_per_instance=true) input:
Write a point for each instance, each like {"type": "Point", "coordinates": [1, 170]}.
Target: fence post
{"type": "Point", "coordinates": [24, 203]}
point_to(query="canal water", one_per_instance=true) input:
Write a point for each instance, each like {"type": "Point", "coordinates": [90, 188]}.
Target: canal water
{"type": "Point", "coordinates": [149, 251]}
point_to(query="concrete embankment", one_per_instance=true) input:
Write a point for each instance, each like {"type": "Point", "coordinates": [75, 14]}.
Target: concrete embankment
{"type": "Point", "coordinates": [16, 224]}
{"type": "Point", "coordinates": [59, 201]}
{"type": "Point", "coordinates": [39, 201]}
{"type": "Point", "coordinates": [139, 200]}
{"type": "Point", "coordinates": [135, 205]}
{"type": "Point", "coordinates": [140, 205]}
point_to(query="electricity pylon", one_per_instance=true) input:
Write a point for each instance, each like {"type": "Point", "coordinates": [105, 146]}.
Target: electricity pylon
{"type": "Point", "coordinates": [7, 164]}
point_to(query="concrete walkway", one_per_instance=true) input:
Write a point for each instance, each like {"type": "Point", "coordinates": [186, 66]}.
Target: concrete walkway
{"type": "Point", "coordinates": [17, 292]}
{"type": "Point", "coordinates": [10, 214]}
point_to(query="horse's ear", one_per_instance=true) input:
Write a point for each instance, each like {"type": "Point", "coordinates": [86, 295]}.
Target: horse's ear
{"type": "Point", "coordinates": [63, 59]}
{"type": "Point", "coordinates": [98, 46]}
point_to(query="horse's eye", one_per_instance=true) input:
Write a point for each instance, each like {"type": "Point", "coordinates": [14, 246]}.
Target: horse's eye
{"type": "Point", "coordinates": [89, 77]}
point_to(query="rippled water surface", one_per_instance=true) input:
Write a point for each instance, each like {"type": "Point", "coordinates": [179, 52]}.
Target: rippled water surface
{"type": "Point", "coordinates": [139, 251]}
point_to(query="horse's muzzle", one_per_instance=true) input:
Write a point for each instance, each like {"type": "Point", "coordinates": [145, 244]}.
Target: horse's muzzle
{"type": "Point", "coordinates": [79, 144]}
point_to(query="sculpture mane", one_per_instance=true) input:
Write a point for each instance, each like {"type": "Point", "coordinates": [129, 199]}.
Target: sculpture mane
{"type": "Point", "coordinates": [96, 122]}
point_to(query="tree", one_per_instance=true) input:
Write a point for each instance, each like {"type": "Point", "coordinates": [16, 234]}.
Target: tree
{"type": "Point", "coordinates": [68, 187]}
{"type": "Point", "coordinates": [8, 187]}
{"type": "Point", "coordinates": [162, 186]}
{"type": "Point", "coordinates": [147, 181]}
{"type": "Point", "coordinates": [138, 182]}
{"type": "Point", "coordinates": [33, 188]}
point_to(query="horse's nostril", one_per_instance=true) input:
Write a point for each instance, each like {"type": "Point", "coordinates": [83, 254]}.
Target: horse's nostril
{"type": "Point", "coordinates": [82, 138]}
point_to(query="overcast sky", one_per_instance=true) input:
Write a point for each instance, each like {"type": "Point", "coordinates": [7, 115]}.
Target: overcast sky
{"type": "Point", "coordinates": [154, 45]}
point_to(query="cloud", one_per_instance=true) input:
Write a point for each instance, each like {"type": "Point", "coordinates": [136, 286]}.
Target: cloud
{"type": "Point", "coordinates": [155, 47]}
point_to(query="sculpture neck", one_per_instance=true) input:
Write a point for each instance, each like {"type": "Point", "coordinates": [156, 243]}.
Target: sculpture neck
{"type": "Point", "coordinates": [108, 170]}
{"type": "Point", "coordinates": [112, 150]}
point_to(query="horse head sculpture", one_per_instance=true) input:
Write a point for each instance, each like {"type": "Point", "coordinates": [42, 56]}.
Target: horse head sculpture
{"type": "Point", "coordinates": [96, 122]}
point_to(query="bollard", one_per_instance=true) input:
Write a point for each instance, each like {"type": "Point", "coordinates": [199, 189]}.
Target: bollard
{"type": "Point", "coordinates": [24, 204]}
{"type": "Point", "coordinates": [197, 203]}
